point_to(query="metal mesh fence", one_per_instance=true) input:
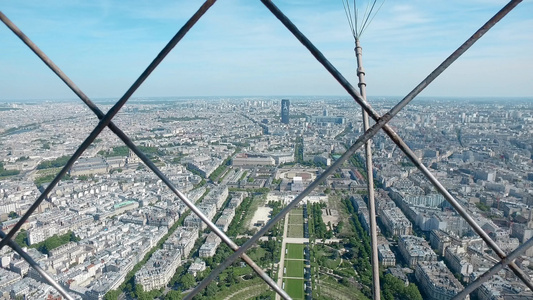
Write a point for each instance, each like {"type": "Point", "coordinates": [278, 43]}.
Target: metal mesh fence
{"type": "Point", "coordinates": [240, 252]}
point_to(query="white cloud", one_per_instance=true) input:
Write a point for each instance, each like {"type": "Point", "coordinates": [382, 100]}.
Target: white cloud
{"type": "Point", "coordinates": [238, 47]}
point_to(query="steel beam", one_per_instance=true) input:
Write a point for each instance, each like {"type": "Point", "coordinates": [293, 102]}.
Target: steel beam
{"type": "Point", "coordinates": [141, 155]}
{"type": "Point", "coordinates": [104, 122]}
{"type": "Point", "coordinates": [369, 177]}
{"type": "Point", "coordinates": [419, 88]}
{"type": "Point", "coordinates": [36, 266]}
{"type": "Point", "coordinates": [495, 269]}
{"type": "Point", "coordinates": [380, 123]}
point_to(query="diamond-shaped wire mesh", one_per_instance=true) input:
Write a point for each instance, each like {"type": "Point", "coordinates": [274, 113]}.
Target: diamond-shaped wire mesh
{"type": "Point", "coordinates": [381, 123]}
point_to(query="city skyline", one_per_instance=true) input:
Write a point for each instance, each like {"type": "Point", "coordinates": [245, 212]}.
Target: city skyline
{"type": "Point", "coordinates": [111, 227]}
{"type": "Point", "coordinates": [96, 45]}
{"type": "Point", "coordinates": [106, 227]}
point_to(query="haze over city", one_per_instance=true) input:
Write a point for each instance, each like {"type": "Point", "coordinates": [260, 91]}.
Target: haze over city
{"type": "Point", "coordinates": [241, 141]}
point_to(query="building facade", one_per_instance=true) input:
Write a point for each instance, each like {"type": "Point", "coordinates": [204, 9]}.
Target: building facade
{"type": "Point", "coordinates": [436, 281]}
{"type": "Point", "coordinates": [285, 103]}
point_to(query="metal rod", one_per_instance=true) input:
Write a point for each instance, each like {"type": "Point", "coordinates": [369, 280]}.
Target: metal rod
{"type": "Point", "coordinates": [495, 269]}
{"type": "Point", "coordinates": [338, 163]}
{"type": "Point", "coordinates": [378, 125]}
{"type": "Point", "coordinates": [36, 266]}
{"type": "Point", "coordinates": [380, 122]}
{"type": "Point", "coordinates": [462, 211]}
{"type": "Point", "coordinates": [419, 88]}
{"type": "Point", "coordinates": [370, 177]}
{"type": "Point", "coordinates": [146, 160]}
{"type": "Point", "coordinates": [110, 114]}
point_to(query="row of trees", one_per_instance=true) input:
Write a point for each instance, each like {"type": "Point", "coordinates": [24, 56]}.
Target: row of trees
{"type": "Point", "coordinates": [128, 286]}
{"type": "Point", "coordinates": [4, 172]}
{"type": "Point", "coordinates": [359, 254]}
{"type": "Point", "coordinates": [276, 230]}
{"type": "Point", "coordinates": [237, 227]}
{"type": "Point", "coordinates": [50, 243]}
{"type": "Point", "coordinates": [56, 163]}
{"type": "Point", "coordinates": [220, 170]}
{"type": "Point", "coordinates": [393, 288]}
{"type": "Point", "coordinates": [124, 151]}
{"type": "Point", "coordinates": [319, 227]}
{"type": "Point", "coordinates": [48, 178]}
{"type": "Point", "coordinates": [299, 150]}
{"type": "Point", "coordinates": [359, 249]}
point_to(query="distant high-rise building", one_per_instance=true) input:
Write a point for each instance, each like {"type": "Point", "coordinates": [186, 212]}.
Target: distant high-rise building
{"type": "Point", "coordinates": [285, 111]}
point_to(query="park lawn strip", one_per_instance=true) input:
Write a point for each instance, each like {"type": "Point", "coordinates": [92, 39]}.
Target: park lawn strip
{"type": "Point", "coordinates": [248, 285]}
{"type": "Point", "coordinates": [295, 251]}
{"type": "Point", "coordinates": [333, 263]}
{"type": "Point", "coordinates": [296, 217]}
{"type": "Point", "coordinates": [256, 253]}
{"type": "Point", "coordinates": [339, 291]}
{"type": "Point", "coordinates": [295, 231]}
{"type": "Point", "coordinates": [295, 268]}
{"type": "Point", "coordinates": [295, 288]}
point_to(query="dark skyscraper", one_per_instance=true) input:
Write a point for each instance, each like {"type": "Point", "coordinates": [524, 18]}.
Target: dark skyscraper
{"type": "Point", "coordinates": [285, 111]}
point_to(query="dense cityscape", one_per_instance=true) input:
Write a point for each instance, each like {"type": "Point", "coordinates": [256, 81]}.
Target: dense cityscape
{"type": "Point", "coordinates": [111, 229]}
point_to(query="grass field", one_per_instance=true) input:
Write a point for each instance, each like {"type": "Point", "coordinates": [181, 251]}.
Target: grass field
{"type": "Point", "coordinates": [295, 288]}
{"type": "Point", "coordinates": [296, 217]}
{"type": "Point", "coordinates": [295, 231]}
{"type": "Point", "coordinates": [295, 268]}
{"type": "Point", "coordinates": [297, 211]}
{"type": "Point", "coordinates": [256, 202]}
{"type": "Point", "coordinates": [295, 251]}
{"type": "Point", "coordinates": [296, 220]}
{"type": "Point", "coordinates": [243, 290]}
{"type": "Point", "coordinates": [48, 171]}
{"type": "Point", "coordinates": [329, 288]}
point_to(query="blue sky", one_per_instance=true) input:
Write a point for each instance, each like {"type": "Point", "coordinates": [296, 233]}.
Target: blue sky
{"type": "Point", "coordinates": [239, 48]}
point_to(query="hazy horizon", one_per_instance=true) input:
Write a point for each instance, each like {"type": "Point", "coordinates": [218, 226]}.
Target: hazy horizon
{"type": "Point", "coordinates": [239, 48]}
{"type": "Point", "coordinates": [270, 98]}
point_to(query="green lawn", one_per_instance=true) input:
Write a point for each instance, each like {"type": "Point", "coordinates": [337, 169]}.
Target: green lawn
{"type": "Point", "coordinates": [250, 288]}
{"type": "Point", "coordinates": [296, 217]}
{"type": "Point", "coordinates": [331, 289]}
{"type": "Point", "coordinates": [295, 288]}
{"type": "Point", "coordinates": [297, 211]}
{"type": "Point", "coordinates": [295, 231]}
{"type": "Point", "coordinates": [295, 268]}
{"type": "Point", "coordinates": [295, 251]}
{"type": "Point", "coordinates": [333, 264]}
{"type": "Point", "coordinates": [256, 253]}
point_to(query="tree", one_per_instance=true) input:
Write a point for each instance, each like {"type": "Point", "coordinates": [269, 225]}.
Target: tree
{"type": "Point", "coordinates": [4, 172]}
{"type": "Point", "coordinates": [187, 281]}
{"type": "Point", "coordinates": [73, 237]}
{"type": "Point", "coordinates": [13, 215]}
{"type": "Point", "coordinates": [21, 238]}
{"type": "Point", "coordinates": [173, 295]}
{"type": "Point", "coordinates": [56, 163]}
{"type": "Point", "coordinates": [394, 286]}
{"type": "Point", "coordinates": [339, 227]}
{"type": "Point", "coordinates": [335, 255]}
{"type": "Point", "coordinates": [139, 290]}
{"type": "Point", "coordinates": [232, 278]}
{"type": "Point", "coordinates": [211, 290]}
{"type": "Point", "coordinates": [112, 295]}
{"type": "Point", "coordinates": [412, 292]}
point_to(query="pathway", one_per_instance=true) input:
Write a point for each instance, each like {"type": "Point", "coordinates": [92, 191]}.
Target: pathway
{"type": "Point", "coordinates": [282, 259]}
